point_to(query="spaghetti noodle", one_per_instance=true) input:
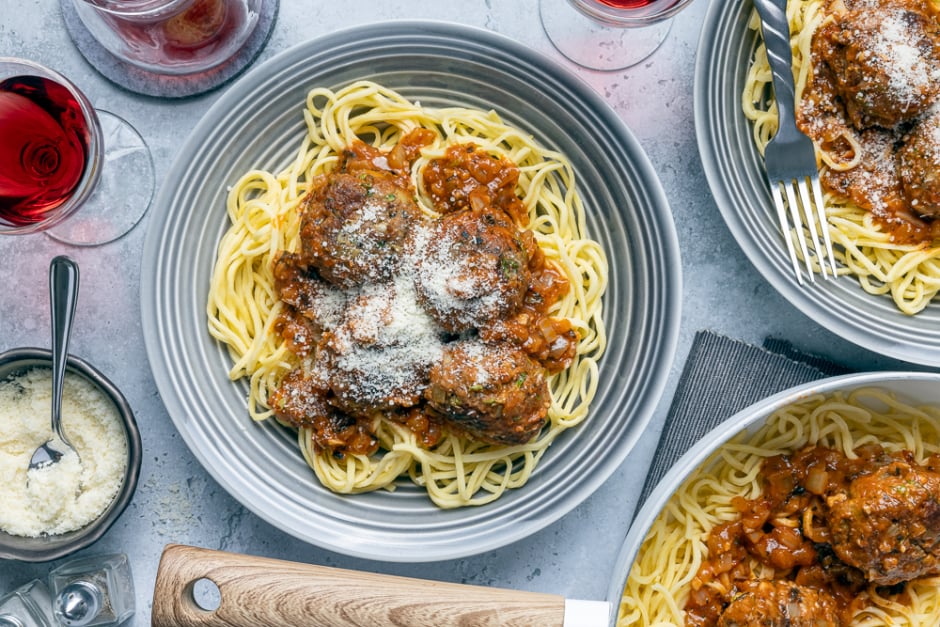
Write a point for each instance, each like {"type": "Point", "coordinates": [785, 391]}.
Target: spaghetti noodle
{"type": "Point", "coordinates": [660, 581]}
{"type": "Point", "coordinates": [908, 269]}
{"type": "Point", "coordinates": [265, 208]}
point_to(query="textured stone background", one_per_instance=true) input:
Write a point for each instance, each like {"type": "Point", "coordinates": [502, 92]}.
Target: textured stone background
{"type": "Point", "coordinates": [177, 501]}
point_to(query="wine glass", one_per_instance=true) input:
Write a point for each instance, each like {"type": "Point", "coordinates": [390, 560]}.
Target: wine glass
{"type": "Point", "coordinates": [171, 37]}
{"type": "Point", "coordinates": [608, 34]}
{"type": "Point", "coordinates": [58, 155]}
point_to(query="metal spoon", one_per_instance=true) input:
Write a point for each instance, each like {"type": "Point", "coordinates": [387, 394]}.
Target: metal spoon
{"type": "Point", "coordinates": [63, 294]}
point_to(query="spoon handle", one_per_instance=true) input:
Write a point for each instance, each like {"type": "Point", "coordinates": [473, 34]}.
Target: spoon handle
{"type": "Point", "coordinates": [63, 294]}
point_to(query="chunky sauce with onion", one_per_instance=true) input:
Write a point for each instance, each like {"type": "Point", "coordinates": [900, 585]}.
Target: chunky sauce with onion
{"type": "Point", "coordinates": [829, 523]}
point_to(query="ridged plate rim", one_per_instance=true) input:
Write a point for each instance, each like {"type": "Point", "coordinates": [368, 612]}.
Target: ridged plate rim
{"type": "Point", "coordinates": [437, 62]}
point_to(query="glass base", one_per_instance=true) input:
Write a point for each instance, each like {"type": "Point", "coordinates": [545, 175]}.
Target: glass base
{"type": "Point", "coordinates": [593, 45]}
{"type": "Point", "coordinates": [123, 193]}
{"type": "Point", "coordinates": [162, 85]}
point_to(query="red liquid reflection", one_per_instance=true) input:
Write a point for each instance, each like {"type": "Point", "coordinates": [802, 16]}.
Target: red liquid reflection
{"type": "Point", "coordinates": [627, 4]}
{"type": "Point", "coordinates": [43, 148]}
{"type": "Point", "coordinates": [205, 28]}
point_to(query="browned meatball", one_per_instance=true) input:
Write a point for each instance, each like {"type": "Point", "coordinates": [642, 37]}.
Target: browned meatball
{"type": "Point", "coordinates": [301, 401]}
{"type": "Point", "coordinates": [883, 63]}
{"type": "Point", "coordinates": [493, 393]}
{"type": "Point", "coordinates": [874, 183]}
{"type": "Point", "coordinates": [888, 523]}
{"type": "Point", "coordinates": [379, 355]}
{"type": "Point", "coordinates": [307, 293]}
{"type": "Point", "coordinates": [354, 226]}
{"type": "Point", "coordinates": [472, 269]}
{"type": "Point", "coordinates": [780, 604]}
{"type": "Point", "coordinates": [919, 167]}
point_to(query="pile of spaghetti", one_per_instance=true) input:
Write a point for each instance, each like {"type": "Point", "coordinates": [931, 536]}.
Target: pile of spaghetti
{"type": "Point", "coordinates": [415, 294]}
{"type": "Point", "coordinates": [825, 515]}
{"type": "Point", "coordinates": [867, 76]}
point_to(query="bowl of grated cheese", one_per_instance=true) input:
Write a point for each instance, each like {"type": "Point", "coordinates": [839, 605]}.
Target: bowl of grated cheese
{"type": "Point", "coordinates": [52, 512]}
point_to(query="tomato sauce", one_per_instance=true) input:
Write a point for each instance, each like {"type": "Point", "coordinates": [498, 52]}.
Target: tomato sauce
{"type": "Point", "coordinates": [789, 530]}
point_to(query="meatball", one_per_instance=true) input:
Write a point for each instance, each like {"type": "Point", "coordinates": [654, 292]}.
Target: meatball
{"type": "Point", "coordinates": [780, 604]}
{"type": "Point", "coordinates": [874, 183]}
{"type": "Point", "coordinates": [471, 269]}
{"type": "Point", "coordinates": [919, 167]}
{"type": "Point", "coordinates": [379, 355]}
{"type": "Point", "coordinates": [882, 61]}
{"type": "Point", "coordinates": [311, 297]}
{"type": "Point", "coordinates": [887, 523]}
{"type": "Point", "coordinates": [493, 393]}
{"type": "Point", "coordinates": [354, 226]}
{"type": "Point", "coordinates": [301, 400]}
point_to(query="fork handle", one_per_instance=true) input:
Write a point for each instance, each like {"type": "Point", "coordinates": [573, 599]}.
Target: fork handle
{"type": "Point", "coordinates": [776, 32]}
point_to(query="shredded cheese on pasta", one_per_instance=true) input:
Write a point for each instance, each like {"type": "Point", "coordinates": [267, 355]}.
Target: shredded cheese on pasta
{"type": "Point", "coordinates": [264, 211]}
{"type": "Point", "coordinates": [909, 273]}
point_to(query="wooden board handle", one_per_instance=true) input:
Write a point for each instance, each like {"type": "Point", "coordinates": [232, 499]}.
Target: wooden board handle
{"type": "Point", "coordinates": [257, 592]}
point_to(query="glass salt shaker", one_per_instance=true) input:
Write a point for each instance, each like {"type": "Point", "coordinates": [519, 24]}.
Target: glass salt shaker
{"type": "Point", "coordinates": [93, 591]}
{"type": "Point", "coordinates": [28, 606]}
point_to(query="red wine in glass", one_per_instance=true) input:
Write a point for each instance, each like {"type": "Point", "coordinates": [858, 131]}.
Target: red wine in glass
{"type": "Point", "coordinates": [200, 36]}
{"type": "Point", "coordinates": [44, 151]}
{"type": "Point", "coordinates": [627, 4]}
{"type": "Point", "coordinates": [65, 167]}
{"type": "Point", "coordinates": [175, 37]}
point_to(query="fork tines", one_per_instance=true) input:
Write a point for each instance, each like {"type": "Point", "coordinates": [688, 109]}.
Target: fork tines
{"type": "Point", "coordinates": [804, 214]}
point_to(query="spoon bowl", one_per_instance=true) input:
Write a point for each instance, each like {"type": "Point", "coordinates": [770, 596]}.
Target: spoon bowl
{"type": "Point", "coordinates": [63, 294]}
{"type": "Point", "coordinates": [48, 453]}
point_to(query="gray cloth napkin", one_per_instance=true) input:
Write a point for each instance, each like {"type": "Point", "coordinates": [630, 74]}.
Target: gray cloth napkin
{"type": "Point", "coordinates": [721, 377]}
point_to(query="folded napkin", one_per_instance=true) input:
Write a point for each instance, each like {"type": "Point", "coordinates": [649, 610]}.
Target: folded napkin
{"type": "Point", "coordinates": [721, 377]}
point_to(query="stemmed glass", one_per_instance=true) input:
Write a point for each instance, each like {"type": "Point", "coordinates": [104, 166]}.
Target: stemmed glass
{"type": "Point", "coordinates": [58, 155]}
{"type": "Point", "coordinates": [608, 34]}
{"type": "Point", "coordinates": [172, 37]}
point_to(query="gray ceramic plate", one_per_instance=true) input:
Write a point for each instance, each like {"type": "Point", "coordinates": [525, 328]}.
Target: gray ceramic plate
{"type": "Point", "coordinates": [913, 387]}
{"type": "Point", "coordinates": [735, 173]}
{"type": "Point", "coordinates": [258, 123]}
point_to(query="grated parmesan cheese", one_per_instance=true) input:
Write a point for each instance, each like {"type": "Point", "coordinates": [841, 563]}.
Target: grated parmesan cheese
{"type": "Point", "coordinates": [448, 285]}
{"type": "Point", "coordinates": [908, 72]}
{"type": "Point", "coordinates": [72, 493]}
{"type": "Point", "coordinates": [385, 339]}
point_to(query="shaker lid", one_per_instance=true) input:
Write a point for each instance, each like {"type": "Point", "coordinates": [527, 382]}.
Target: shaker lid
{"type": "Point", "coordinates": [78, 603]}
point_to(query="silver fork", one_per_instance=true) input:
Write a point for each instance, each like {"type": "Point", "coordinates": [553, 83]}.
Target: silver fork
{"type": "Point", "coordinates": [789, 158]}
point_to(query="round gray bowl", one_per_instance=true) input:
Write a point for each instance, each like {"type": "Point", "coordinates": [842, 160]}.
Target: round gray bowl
{"type": "Point", "coordinates": [439, 65]}
{"type": "Point", "coordinates": [49, 547]}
